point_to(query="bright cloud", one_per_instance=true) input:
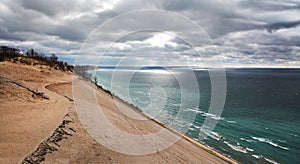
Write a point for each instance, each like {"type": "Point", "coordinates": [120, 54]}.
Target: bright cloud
{"type": "Point", "coordinates": [159, 40]}
{"type": "Point", "coordinates": [245, 32]}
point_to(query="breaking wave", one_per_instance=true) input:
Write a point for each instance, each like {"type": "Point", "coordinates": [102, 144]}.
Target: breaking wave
{"type": "Point", "coordinates": [269, 142]}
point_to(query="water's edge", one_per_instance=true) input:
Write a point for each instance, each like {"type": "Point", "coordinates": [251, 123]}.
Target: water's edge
{"type": "Point", "coordinates": [189, 139]}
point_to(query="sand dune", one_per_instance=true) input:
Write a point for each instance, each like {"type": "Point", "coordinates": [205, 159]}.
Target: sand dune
{"type": "Point", "coordinates": [26, 119]}
{"type": "Point", "coordinates": [37, 129]}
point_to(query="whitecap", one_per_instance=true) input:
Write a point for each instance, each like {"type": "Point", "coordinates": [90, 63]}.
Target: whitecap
{"type": "Point", "coordinates": [193, 129]}
{"type": "Point", "coordinates": [142, 102]}
{"type": "Point", "coordinates": [175, 105]}
{"type": "Point", "coordinates": [271, 161]}
{"type": "Point", "coordinates": [269, 142]}
{"type": "Point", "coordinates": [243, 139]}
{"type": "Point", "coordinates": [197, 127]}
{"type": "Point", "coordinates": [194, 110]}
{"type": "Point", "coordinates": [282, 141]}
{"type": "Point", "coordinates": [139, 92]}
{"type": "Point", "coordinates": [211, 134]}
{"type": "Point", "coordinates": [233, 122]}
{"type": "Point", "coordinates": [210, 115]}
{"type": "Point", "coordinates": [217, 135]}
{"type": "Point", "coordinates": [236, 148]}
{"type": "Point", "coordinates": [257, 156]}
{"type": "Point", "coordinates": [294, 135]}
{"type": "Point", "coordinates": [217, 118]}
{"type": "Point", "coordinates": [248, 149]}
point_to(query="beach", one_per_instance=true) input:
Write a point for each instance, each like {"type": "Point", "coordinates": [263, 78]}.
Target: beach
{"type": "Point", "coordinates": [47, 129]}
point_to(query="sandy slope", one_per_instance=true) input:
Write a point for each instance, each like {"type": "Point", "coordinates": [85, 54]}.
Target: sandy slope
{"type": "Point", "coordinates": [81, 148]}
{"type": "Point", "coordinates": [26, 120]}
{"type": "Point", "coordinates": [39, 129]}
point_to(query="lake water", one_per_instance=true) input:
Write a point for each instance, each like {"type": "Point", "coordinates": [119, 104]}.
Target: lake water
{"type": "Point", "coordinates": [260, 122]}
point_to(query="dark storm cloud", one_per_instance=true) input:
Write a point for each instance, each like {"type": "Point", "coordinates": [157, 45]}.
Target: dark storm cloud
{"type": "Point", "coordinates": [4, 34]}
{"type": "Point", "coordinates": [244, 31]}
{"type": "Point", "coordinates": [46, 7]}
{"type": "Point", "coordinates": [222, 17]}
{"type": "Point", "coordinates": [137, 36]}
{"type": "Point", "coordinates": [67, 33]}
{"type": "Point", "coordinates": [178, 5]}
{"type": "Point", "coordinates": [280, 25]}
{"type": "Point", "coordinates": [270, 5]}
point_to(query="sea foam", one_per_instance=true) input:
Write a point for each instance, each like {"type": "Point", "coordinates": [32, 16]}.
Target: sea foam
{"type": "Point", "coordinates": [211, 134]}
{"type": "Point", "coordinates": [271, 161]}
{"type": "Point", "coordinates": [236, 147]}
{"type": "Point", "coordinates": [233, 122]}
{"type": "Point", "coordinates": [269, 142]}
{"type": "Point", "coordinates": [250, 141]}
{"type": "Point", "coordinates": [257, 156]}
{"type": "Point", "coordinates": [213, 116]}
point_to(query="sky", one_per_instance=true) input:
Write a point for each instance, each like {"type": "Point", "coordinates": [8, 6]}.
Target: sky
{"type": "Point", "coordinates": [200, 33]}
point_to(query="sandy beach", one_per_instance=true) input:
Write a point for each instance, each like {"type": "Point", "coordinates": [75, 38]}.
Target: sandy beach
{"type": "Point", "coordinates": [47, 128]}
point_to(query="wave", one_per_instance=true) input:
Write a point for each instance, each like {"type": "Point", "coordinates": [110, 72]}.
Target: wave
{"type": "Point", "coordinates": [197, 127]}
{"type": "Point", "coordinates": [236, 147]}
{"type": "Point", "coordinates": [216, 135]}
{"type": "Point", "coordinates": [173, 104]}
{"type": "Point", "coordinates": [142, 102]}
{"type": "Point", "coordinates": [250, 141]}
{"type": "Point", "coordinates": [271, 160]}
{"type": "Point", "coordinates": [265, 158]}
{"type": "Point", "coordinates": [269, 142]}
{"type": "Point", "coordinates": [257, 156]}
{"type": "Point", "coordinates": [160, 97]}
{"type": "Point", "coordinates": [204, 114]}
{"type": "Point", "coordinates": [196, 139]}
{"type": "Point", "coordinates": [282, 141]}
{"type": "Point", "coordinates": [139, 92]}
{"type": "Point", "coordinates": [196, 110]}
{"type": "Point", "coordinates": [233, 122]}
{"type": "Point", "coordinates": [211, 134]}
{"type": "Point", "coordinates": [294, 135]}
{"type": "Point", "coordinates": [213, 116]}
{"type": "Point", "coordinates": [248, 149]}
{"type": "Point", "coordinates": [192, 129]}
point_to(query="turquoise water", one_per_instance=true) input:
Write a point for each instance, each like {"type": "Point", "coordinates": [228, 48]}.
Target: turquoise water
{"type": "Point", "coordinates": [260, 121]}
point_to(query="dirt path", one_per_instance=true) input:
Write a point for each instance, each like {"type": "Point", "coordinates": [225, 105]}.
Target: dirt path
{"type": "Point", "coordinates": [27, 119]}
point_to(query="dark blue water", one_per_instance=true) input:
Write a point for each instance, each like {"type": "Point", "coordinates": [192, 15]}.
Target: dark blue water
{"type": "Point", "coordinates": [260, 121]}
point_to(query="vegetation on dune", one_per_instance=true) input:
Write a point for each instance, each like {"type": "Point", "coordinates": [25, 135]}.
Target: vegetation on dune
{"type": "Point", "coordinates": [82, 70]}
{"type": "Point", "coordinates": [32, 57]}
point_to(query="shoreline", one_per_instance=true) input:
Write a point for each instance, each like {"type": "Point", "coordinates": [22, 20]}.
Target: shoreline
{"type": "Point", "coordinates": [51, 131]}
{"type": "Point", "coordinates": [187, 138]}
